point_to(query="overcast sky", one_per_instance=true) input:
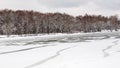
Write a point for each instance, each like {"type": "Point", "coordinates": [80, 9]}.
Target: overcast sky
{"type": "Point", "coordinates": [72, 7]}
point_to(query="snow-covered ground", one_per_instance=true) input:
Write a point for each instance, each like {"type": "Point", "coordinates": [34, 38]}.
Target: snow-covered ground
{"type": "Point", "coordinates": [78, 50]}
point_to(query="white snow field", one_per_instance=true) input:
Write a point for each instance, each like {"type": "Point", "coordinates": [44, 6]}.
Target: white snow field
{"type": "Point", "coordinates": [77, 50]}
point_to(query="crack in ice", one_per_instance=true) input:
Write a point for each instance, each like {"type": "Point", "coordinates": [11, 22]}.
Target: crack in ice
{"type": "Point", "coordinates": [106, 54]}
{"type": "Point", "coordinates": [49, 58]}
{"type": "Point", "coordinates": [26, 49]}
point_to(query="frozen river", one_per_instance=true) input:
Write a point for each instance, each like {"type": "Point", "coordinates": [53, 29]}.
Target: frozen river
{"type": "Point", "coordinates": [79, 50]}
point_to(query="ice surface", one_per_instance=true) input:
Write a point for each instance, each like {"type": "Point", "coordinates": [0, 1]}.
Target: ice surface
{"type": "Point", "coordinates": [77, 50]}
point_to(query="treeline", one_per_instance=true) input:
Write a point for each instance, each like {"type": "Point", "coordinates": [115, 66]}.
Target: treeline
{"type": "Point", "coordinates": [29, 22]}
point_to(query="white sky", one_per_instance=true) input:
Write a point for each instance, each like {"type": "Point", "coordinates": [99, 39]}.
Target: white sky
{"type": "Point", "coordinates": [72, 7]}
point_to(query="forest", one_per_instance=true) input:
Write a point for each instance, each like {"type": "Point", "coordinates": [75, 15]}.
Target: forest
{"type": "Point", "coordinates": [32, 22]}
